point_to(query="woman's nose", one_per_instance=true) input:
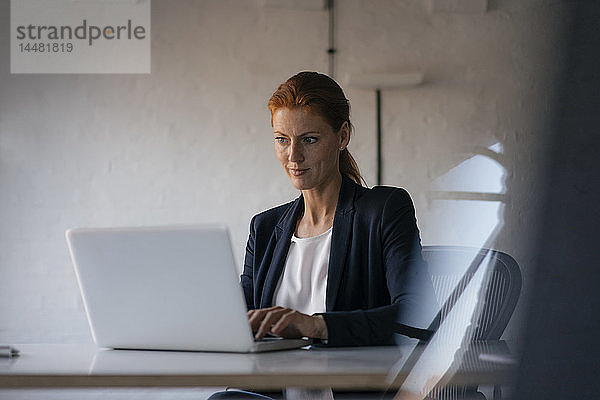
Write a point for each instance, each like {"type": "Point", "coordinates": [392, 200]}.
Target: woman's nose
{"type": "Point", "coordinates": [296, 154]}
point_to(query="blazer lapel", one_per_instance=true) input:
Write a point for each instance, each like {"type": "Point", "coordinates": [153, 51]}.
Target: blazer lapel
{"type": "Point", "coordinates": [283, 235]}
{"type": "Point", "coordinates": [340, 240]}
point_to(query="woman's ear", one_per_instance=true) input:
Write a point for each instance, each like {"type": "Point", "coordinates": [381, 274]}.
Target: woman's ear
{"type": "Point", "coordinates": [344, 135]}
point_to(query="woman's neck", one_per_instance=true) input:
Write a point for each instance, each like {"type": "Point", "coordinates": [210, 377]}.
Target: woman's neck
{"type": "Point", "coordinates": [319, 208]}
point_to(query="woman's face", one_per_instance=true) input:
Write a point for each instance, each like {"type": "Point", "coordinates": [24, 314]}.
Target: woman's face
{"type": "Point", "coordinates": [307, 147]}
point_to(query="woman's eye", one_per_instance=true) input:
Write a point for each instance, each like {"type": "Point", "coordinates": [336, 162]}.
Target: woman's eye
{"type": "Point", "coordinates": [310, 140]}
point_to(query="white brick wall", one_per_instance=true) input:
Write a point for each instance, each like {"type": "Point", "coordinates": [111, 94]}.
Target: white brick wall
{"type": "Point", "coordinates": [191, 142]}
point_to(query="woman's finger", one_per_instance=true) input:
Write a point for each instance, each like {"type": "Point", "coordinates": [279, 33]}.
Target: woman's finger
{"type": "Point", "coordinates": [269, 320]}
{"type": "Point", "coordinates": [291, 322]}
{"type": "Point", "coordinates": [255, 317]}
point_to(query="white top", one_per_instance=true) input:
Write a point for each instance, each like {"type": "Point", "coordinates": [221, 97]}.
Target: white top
{"type": "Point", "coordinates": [303, 284]}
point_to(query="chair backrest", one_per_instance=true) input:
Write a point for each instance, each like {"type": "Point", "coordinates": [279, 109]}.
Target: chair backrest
{"type": "Point", "coordinates": [503, 290]}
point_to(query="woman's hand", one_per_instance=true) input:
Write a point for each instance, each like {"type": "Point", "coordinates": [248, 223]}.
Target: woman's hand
{"type": "Point", "coordinates": [287, 323]}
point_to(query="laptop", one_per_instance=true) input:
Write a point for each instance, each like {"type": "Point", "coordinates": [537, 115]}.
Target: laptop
{"type": "Point", "coordinates": [164, 288]}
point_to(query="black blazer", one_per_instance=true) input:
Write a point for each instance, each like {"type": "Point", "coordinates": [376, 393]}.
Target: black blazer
{"type": "Point", "coordinates": [376, 274]}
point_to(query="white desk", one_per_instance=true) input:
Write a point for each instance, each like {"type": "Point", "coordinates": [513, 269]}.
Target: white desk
{"type": "Point", "coordinates": [47, 365]}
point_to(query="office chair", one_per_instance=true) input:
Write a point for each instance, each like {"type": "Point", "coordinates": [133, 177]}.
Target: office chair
{"type": "Point", "coordinates": [500, 299]}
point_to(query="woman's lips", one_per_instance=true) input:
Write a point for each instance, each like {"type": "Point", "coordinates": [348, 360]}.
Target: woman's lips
{"type": "Point", "coordinates": [298, 171]}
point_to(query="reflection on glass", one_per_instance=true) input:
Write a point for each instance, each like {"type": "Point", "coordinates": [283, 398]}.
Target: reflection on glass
{"type": "Point", "coordinates": [467, 205]}
{"type": "Point", "coordinates": [443, 354]}
{"type": "Point", "coordinates": [468, 200]}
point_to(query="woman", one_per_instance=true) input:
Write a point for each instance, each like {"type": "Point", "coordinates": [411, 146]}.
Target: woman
{"type": "Point", "coordinates": [341, 263]}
